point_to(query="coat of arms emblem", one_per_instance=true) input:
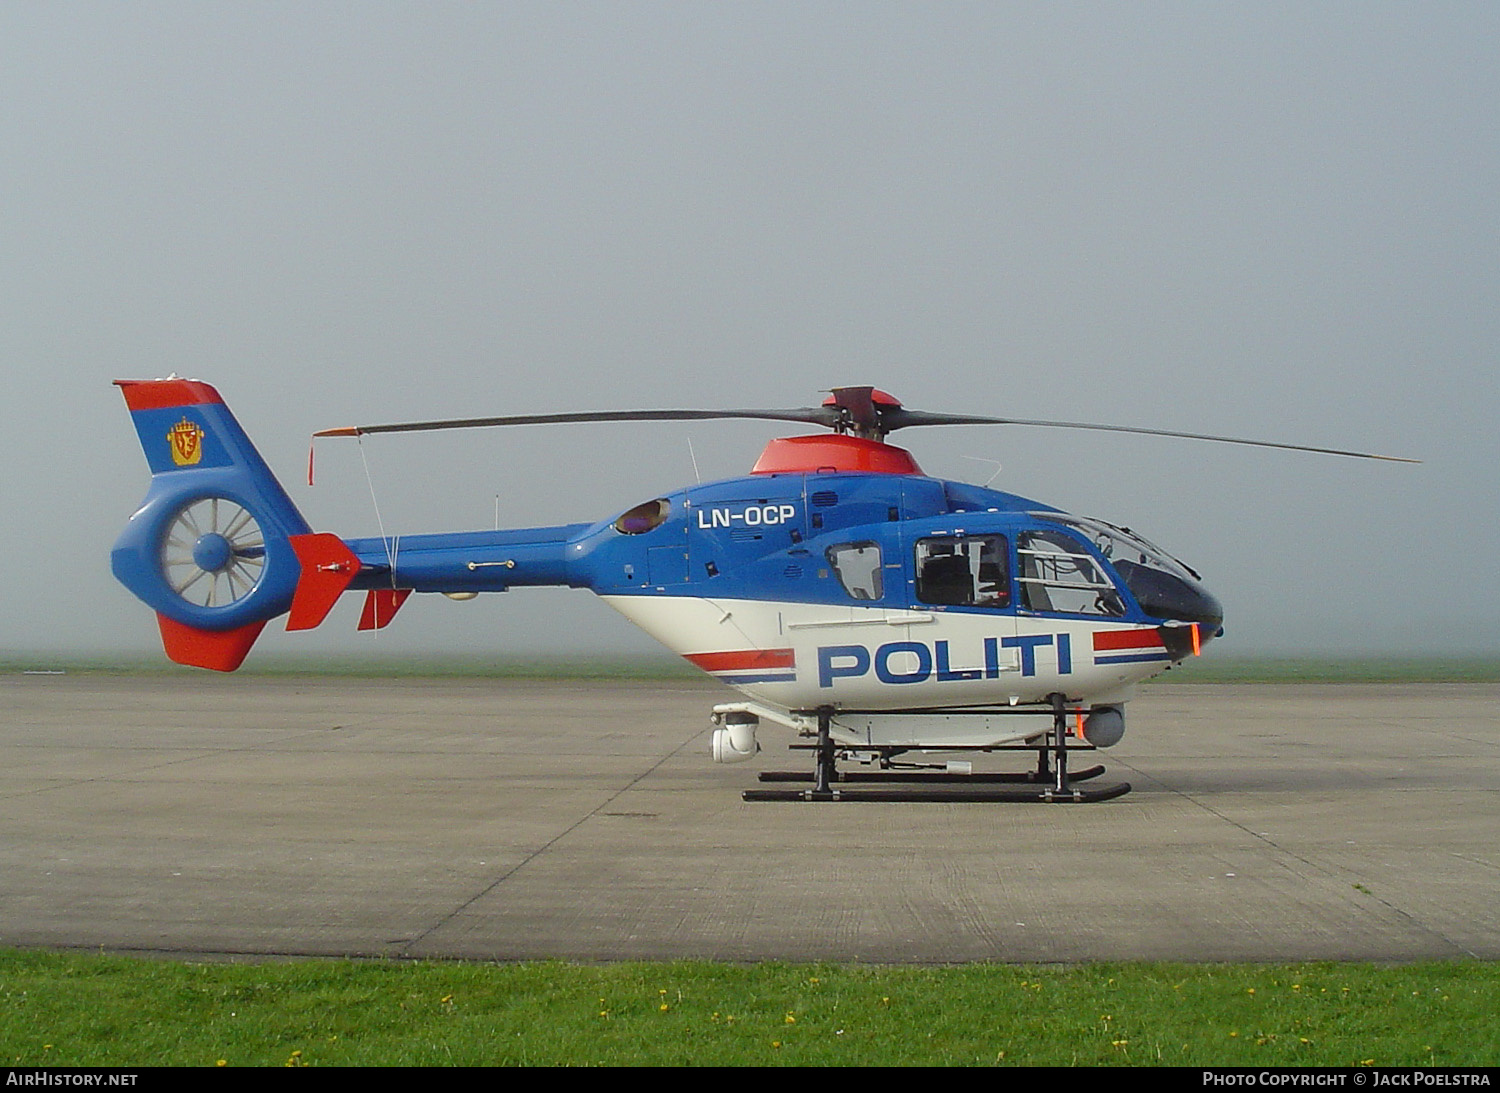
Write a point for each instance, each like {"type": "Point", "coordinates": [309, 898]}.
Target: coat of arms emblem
{"type": "Point", "coordinates": [186, 442]}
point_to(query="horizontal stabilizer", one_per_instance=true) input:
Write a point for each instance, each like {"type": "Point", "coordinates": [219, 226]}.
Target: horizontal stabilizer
{"type": "Point", "coordinates": [327, 568]}
{"type": "Point", "coordinates": [381, 605]}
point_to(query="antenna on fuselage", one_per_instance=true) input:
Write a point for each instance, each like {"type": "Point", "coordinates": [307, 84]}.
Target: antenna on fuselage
{"type": "Point", "coordinates": [998, 468]}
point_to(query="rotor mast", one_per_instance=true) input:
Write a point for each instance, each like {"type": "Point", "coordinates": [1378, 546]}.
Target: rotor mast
{"type": "Point", "coordinates": [861, 412]}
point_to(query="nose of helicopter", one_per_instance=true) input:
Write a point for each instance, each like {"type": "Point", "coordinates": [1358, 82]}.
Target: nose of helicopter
{"type": "Point", "coordinates": [1186, 639]}
{"type": "Point", "coordinates": [1193, 617]}
{"type": "Point", "coordinates": [1197, 619]}
{"type": "Point", "coordinates": [1204, 608]}
{"type": "Point", "coordinates": [1174, 598]}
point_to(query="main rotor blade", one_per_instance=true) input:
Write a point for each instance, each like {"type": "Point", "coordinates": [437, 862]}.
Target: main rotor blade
{"type": "Point", "coordinates": [848, 413]}
{"type": "Point", "coordinates": [813, 415]}
{"type": "Point", "coordinates": [900, 418]}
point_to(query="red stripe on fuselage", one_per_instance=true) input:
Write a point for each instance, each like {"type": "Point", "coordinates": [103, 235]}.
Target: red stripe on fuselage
{"type": "Point", "coordinates": [1127, 639]}
{"type": "Point", "coordinates": [744, 660]}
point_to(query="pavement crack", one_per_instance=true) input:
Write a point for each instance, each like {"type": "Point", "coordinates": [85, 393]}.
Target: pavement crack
{"type": "Point", "coordinates": [1335, 871]}
{"type": "Point", "coordinates": [599, 808]}
{"type": "Point", "coordinates": [200, 753]}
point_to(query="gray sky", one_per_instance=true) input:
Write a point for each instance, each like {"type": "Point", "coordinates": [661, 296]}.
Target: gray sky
{"type": "Point", "coordinates": [1274, 221]}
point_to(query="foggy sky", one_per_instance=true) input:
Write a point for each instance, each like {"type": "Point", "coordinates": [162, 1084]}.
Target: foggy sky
{"type": "Point", "coordinates": [1273, 221]}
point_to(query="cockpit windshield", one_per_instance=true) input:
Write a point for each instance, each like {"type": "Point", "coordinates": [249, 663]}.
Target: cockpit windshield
{"type": "Point", "coordinates": [1164, 587]}
{"type": "Point", "coordinates": [1058, 574]}
{"type": "Point", "coordinates": [1119, 544]}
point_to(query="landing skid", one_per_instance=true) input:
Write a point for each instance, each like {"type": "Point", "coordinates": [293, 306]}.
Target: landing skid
{"type": "Point", "coordinates": [1049, 783]}
{"type": "Point", "coordinates": [929, 778]}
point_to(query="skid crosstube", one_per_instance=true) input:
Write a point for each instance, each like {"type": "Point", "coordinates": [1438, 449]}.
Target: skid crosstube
{"type": "Point", "coordinates": [1049, 783]}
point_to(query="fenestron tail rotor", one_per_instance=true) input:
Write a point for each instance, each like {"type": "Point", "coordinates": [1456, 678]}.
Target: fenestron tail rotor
{"type": "Point", "coordinates": [213, 552]}
{"type": "Point", "coordinates": [864, 412]}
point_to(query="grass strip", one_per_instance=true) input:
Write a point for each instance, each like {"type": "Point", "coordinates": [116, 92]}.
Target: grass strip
{"type": "Point", "coordinates": [1326, 669]}
{"type": "Point", "coordinates": [59, 1009]}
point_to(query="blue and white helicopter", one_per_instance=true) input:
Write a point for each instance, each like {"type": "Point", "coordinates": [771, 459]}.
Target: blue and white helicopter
{"type": "Point", "coordinates": [878, 614]}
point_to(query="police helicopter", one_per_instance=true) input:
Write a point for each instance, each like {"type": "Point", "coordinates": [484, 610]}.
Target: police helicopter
{"type": "Point", "coordinates": [878, 614]}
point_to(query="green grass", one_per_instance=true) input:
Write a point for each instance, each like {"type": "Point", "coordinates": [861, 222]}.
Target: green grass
{"type": "Point", "coordinates": [71, 1010]}
{"type": "Point", "coordinates": [1211, 668]}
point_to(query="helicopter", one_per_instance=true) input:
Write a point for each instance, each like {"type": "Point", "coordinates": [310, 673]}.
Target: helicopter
{"type": "Point", "coordinates": [883, 617]}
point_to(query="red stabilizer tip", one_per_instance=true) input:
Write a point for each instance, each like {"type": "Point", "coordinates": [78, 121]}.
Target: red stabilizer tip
{"type": "Point", "coordinates": [327, 568]}
{"type": "Point", "coordinates": [220, 650]}
{"type": "Point", "coordinates": [381, 605]}
{"type": "Point", "coordinates": [159, 394]}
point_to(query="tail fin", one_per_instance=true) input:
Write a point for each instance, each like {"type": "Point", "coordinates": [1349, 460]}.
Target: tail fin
{"type": "Point", "coordinates": [213, 549]}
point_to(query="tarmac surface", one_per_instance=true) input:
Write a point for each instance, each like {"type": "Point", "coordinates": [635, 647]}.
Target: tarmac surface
{"type": "Point", "coordinates": [191, 814]}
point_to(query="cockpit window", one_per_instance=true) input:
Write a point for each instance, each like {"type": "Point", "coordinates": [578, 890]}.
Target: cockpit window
{"type": "Point", "coordinates": [645, 517]}
{"type": "Point", "coordinates": [1058, 574]}
{"type": "Point", "coordinates": [1119, 544]}
{"type": "Point", "coordinates": [1163, 587]}
{"type": "Point", "coordinates": [967, 571]}
{"type": "Point", "coordinates": [858, 569]}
